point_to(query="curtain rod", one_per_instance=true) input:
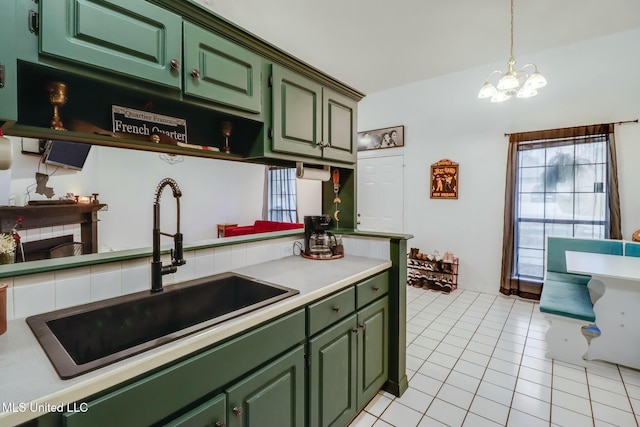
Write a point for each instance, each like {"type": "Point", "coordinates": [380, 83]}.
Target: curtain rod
{"type": "Point", "coordinates": [614, 123]}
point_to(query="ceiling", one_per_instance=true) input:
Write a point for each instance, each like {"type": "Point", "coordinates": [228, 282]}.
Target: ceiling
{"type": "Point", "coordinates": [374, 45]}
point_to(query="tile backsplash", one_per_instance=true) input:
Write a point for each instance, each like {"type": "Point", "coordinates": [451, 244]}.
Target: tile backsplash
{"type": "Point", "coordinates": [43, 292]}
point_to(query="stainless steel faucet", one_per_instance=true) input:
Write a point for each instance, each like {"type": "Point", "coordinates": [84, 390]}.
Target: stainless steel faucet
{"type": "Point", "coordinates": [157, 269]}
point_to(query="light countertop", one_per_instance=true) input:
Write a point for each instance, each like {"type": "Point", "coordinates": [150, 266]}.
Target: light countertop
{"type": "Point", "coordinates": [28, 378]}
{"type": "Point", "coordinates": [604, 265]}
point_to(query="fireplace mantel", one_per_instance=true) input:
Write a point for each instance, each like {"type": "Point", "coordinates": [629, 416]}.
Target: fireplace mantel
{"type": "Point", "coordinates": [40, 216]}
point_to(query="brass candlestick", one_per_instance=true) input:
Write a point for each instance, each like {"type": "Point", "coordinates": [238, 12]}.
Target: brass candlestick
{"type": "Point", "coordinates": [58, 98]}
{"type": "Point", "coordinates": [226, 132]}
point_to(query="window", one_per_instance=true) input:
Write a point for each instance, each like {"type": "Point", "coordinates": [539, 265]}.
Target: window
{"type": "Point", "coordinates": [561, 191]}
{"type": "Point", "coordinates": [560, 182]}
{"type": "Point", "coordinates": [281, 191]}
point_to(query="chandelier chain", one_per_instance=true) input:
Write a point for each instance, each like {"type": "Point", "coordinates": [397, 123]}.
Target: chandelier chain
{"type": "Point", "coordinates": [511, 48]}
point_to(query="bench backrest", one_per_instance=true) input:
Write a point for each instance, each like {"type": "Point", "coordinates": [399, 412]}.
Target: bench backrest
{"type": "Point", "coordinates": [632, 249]}
{"type": "Point", "coordinates": [557, 246]}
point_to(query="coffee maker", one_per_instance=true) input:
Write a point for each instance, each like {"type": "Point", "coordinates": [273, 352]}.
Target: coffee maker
{"type": "Point", "coordinates": [319, 242]}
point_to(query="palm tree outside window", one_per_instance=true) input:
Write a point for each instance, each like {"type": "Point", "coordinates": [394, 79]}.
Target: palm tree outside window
{"type": "Point", "coordinates": [560, 182]}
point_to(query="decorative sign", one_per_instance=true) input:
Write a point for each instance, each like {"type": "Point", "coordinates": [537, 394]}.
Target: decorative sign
{"type": "Point", "coordinates": [381, 138]}
{"type": "Point", "coordinates": [146, 123]}
{"type": "Point", "coordinates": [444, 180]}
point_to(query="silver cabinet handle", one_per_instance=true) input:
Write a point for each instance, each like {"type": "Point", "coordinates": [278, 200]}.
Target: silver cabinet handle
{"type": "Point", "coordinates": [195, 74]}
{"type": "Point", "coordinates": [174, 64]}
{"type": "Point", "coordinates": [237, 410]}
{"type": "Point", "coordinates": [336, 308]}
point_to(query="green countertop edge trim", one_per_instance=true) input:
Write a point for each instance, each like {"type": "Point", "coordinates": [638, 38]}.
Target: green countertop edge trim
{"type": "Point", "coordinates": [49, 265]}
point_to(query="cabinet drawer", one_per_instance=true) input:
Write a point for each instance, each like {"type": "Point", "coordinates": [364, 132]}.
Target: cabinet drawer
{"type": "Point", "coordinates": [331, 309]}
{"type": "Point", "coordinates": [372, 289]}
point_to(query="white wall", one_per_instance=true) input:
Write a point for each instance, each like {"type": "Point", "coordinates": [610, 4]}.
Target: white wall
{"type": "Point", "coordinates": [590, 82]}
{"type": "Point", "coordinates": [214, 191]}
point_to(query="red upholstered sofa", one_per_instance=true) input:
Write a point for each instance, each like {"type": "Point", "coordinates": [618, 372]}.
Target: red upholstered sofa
{"type": "Point", "coordinates": [261, 226]}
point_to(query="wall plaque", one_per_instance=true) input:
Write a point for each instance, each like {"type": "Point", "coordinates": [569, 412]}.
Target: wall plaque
{"type": "Point", "coordinates": [444, 180]}
{"type": "Point", "coordinates": [147, 123]}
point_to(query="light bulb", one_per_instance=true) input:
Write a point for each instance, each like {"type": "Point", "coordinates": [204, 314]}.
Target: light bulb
{"type": "Point", "coordinates": [487, 90]}
{"type": "Point", "coordinates": [500, 97]}
{"type": "Point", "coordinates": [508, 81]}
{"type": "Point", "coordinates": [536, 81]}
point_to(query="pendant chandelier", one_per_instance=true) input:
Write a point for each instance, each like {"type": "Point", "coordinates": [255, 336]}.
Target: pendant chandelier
{"type": "Point", "coordinates": [523, 83]}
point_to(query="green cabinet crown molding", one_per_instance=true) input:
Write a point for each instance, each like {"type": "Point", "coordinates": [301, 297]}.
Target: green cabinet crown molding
{"type": "Point", "coordinates": [206, 18]}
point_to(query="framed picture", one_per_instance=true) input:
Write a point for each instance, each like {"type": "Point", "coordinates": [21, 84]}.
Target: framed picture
{"type": "Point", "coordinates": [444, 180]}
{"type": "Point", "coordinates": [381, 138]}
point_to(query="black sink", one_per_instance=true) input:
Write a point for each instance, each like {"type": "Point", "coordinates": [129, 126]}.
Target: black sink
{"type": "Point", "coordinates": [87, 337]}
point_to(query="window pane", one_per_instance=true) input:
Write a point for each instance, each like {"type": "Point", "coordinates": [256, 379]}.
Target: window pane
{"type": "Point", "coordinates": [559, 178]}
{"type": "Point", "coordinates": [530, 262]}
{"type": "Point", "coordinates": [587, 231]}
{"type": "Point", "coordinates": [531, 205]}
{"type": "Point", "coordinates": [559, 206]}
{"type": "Point", "coordinates": [532, 180]}
{"type": "Point", "coordinates": [591, 177]}
{"type": "Point", "coordinates": [559, 230]}
{"type": "Point", "coordinates": [591, 153]}
{"type": "Point", "coordinates": [590, 206]}
{"type": "Point", "coordinates": [531, 158]}
{"type": "Point", "coordinates": [531, 235]}
{"type": "Point", "coordinates": [560, 156]}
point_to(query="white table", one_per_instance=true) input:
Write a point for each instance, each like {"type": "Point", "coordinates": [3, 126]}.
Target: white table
{"type": "Point", "coordinates": [615, 290]}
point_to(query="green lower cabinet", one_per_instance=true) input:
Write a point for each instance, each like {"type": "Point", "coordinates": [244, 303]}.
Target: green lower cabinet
{"type": "Point", "coordinates": [373, 350]}
{"type": "Point", "coordinates": [212, 413]}
{"type": "Point", "coordinates": [272, 397]}
{"type": "Point", "coordinates": [332, 375]}
{"type": "Point", "coordinates": [348, 365]}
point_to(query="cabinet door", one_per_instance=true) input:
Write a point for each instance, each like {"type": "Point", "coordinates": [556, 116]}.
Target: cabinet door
{"type": "Point", "coordinates": [130, 37]}
{"type": "Point", "coordinates": [218, 70]}
{"type": "Point", "coordinates": [332, 375]}
{"type": "Point", "coordinates": [211, 413]}
{"type": "Point", "coordinates": [339, 127]}
{"type": "Point", "coordinates": [272, 397]}
{"type": "Point", "coordinates": [297, 113]}
{"type": "Point", "coordinates": [373, 349]}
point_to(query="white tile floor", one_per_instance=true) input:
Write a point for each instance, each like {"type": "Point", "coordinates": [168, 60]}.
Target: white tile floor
{"type": "Point", "coordinates": [477, 360]}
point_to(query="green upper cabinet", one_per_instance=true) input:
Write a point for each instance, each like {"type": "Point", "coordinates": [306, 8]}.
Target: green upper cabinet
{"type": "Point", "coordinates": [311, 120]}
{"type": "Point", "coordinates": [8, 67]}
{"type": "Point", "coordinates": [134, 38]}
{"type": "Point", "coordinates": [339, 113]}
{"type": "Point", "coordinates": [297, 114]}
{"type": "Point", "coordinates": [219, 70]}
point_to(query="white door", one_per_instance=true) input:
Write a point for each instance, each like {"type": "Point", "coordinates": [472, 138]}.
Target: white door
{"type": "Point", "coordinates": [381, 194]}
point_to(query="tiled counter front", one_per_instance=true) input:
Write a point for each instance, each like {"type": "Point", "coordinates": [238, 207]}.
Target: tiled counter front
{"type": "Point", "coordinates": [32, 294]}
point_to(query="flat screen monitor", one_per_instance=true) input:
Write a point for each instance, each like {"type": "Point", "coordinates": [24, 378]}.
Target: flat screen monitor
{"type": "Point", "coordinates": [71, 155]}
